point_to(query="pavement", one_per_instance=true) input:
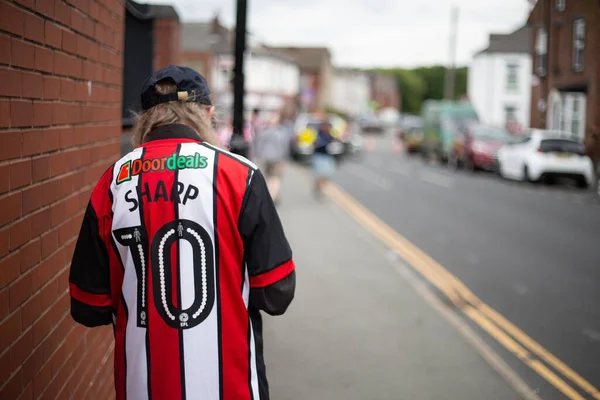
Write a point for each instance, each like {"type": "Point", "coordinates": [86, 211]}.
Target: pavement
{"type": "Point", "coordinates": [529, 251]}
{"type": "Point", "coordinates": [362, 326]}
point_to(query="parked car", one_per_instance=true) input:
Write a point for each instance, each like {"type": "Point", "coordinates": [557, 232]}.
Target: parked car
{"type": "Point", "coordinates": [442, 121]}
{"type": "Point", "coordinates": [305, 133]}
{"type": "Point", "coordinates": [370, 123]}
{"type": "Point", "coordinates": [546, 155]}
{"type": "Point", "coordinates": [410, 132]}
{"type": "Point", "coordinates": [476, 146]}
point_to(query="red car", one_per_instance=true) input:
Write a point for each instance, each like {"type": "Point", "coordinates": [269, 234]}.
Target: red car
{"type": "Point", "coordinates": [476, 146]}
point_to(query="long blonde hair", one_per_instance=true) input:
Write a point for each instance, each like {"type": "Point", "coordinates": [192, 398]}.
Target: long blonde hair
{"type": "Point", "coordinates": [192, 114]}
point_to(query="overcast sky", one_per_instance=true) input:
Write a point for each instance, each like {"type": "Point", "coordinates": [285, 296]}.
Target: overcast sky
{"type": "Point", "coordinates": [369, 33]}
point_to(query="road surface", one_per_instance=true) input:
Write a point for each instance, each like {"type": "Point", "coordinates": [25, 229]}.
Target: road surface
{"type": "Point", "coordinates": [531, 252]}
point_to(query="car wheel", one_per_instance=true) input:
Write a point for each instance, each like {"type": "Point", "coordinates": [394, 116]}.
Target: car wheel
{"type": "Point", "coordinates": [468, 165]}
{"type": "Point", "coordinates": [526, 176]}
{"type": "Point", "coordinates": [582, 183]}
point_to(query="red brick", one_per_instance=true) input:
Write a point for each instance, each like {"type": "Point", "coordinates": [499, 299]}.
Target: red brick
{"type": "Point", "coordinates": [53, 34]}
{"type": "Point", "coordinates": [4, 49]}
{"type": "Point", "coordinates": [51, 190]}
{"type": "Point", "coordinates": [20, 174]}
{"type": "Point", "coordinates": [11, 82]}
{"type": "Point", "coordinates": [34, 28]}
{"type": "Point", "coordinates": [67, 65]}
{"type": "Point", "coordinates": [44, 59]}
{"type": "Point", "coordinates": [67, 90]}
{"type": "Point", "coordinates": [62, 12]}
{"type": "Point", "coordinates": [5, 239]}
{"type": "Point", "coordinates": [10, 268]}
{"type": "Point", "coordinates": [11, 145]}
{"type": "Point", "coordinates": [31, 310]}
{"type": "Point", "coordinates": [13, 388]}
{"type": "Point", "coordinates": [58, 163]}
{"type": "Point", "coordinates": [20, 233]}
{"type": "Point", "coordinates": [69, 42]}
{"type": "Point", "coordinates": [27, 392]}
{"type": "Point", "coordinates": [77, 20]}
{"type": "Point", "coordinates": [51, 88]}
{"type": "Point", "coordinates": [33, 364]}
{"type": "Point", "coordinates": [68, 230]}
{"type": "Point", "coordinates": [4, 180]}
{"type": "Point", "coordinates": [42, 114]}
{"type": "Point", "coordinates": [46, 8]}
{"type": "Point", "coordinates": [40, 222]}
{"type": "Point", "coordinates": [11, 207]}
{"type": "Point", "coordinates": [10, 329]}
{"type": "Point", "coordinates": [22, 53]}
{"type": "Point", "coordinates": [22, 348]}
{"type": "Point", "coordinates": [5, 369]}
{"type": "Point", "coordinates": [11, 18]}
{"type": "Point", "coordinates": [32, 85]}
{"type": "Point", "coordinates": [32, 198]}
{"type": "Point", "coordinates": [49, 243]}
{"type": "Point", "coordinates": [27, 3]}
{"type": "Point", "coordinates": [30, 254]}
{"type": "Point", "coordinates": [40, 168]}
{"type": "Point", "coordinates": [33, 141]}
{"type": "Point", "coordinates": [94, 10]}
{"type": "Point", "coordinates": [21, 113]}
{"type": "Point", "coordinates": [19, 290]}
{"type": "Point", "coordinates": [5, 115]}
{"type": "Point", "coordinates": [41, 381]}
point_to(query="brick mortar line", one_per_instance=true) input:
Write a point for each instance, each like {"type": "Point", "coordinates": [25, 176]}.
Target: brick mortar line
{"type": "Point", "coordinates": [52, 74]}
{"type": "Point", "coordinates": [62, 25]}
{"type": "Point", "coordinates": [61, 51]}
{"type": "Point", "coordinates": [89, 367]}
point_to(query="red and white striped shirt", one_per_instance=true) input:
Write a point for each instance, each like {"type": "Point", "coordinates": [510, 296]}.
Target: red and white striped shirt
{"type": "Point", "coordinates": [179, 249]}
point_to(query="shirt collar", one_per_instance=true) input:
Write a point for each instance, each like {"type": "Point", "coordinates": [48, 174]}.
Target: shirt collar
{"type": "Point", "coordinates": [172, 131]}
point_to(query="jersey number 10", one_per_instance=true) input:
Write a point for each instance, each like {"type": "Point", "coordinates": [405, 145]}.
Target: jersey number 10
{"type": "Point", "coordinates": [160, 263]}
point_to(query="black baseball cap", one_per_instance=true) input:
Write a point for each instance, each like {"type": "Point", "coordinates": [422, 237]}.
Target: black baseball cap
{"type": "Point", "coordinates": [191, 86]}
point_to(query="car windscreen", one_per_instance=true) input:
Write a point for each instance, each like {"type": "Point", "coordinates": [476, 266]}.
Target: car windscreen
{"type": "Point", "coordinates": [491, 134]}
{"type": "Point", "coordinates": [561, 146]}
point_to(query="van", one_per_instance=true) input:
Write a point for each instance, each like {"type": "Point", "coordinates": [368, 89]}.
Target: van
{"type": "Point", "coordinates": [442, 122]}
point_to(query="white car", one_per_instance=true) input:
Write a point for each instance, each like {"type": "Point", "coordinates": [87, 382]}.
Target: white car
{"type": "Point", "coordinates": [544, 154]}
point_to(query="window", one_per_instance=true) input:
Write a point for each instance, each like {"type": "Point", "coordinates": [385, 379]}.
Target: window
{"type": "Point", "coordinates": [576, 116]}
{"type": "Point", "coordinates": [510, 113]}
{"type": "Point", "coordinates": [560, 5]}
{"type": "Point", "coordinates": [578, 44]}
{"type": "Point", "coordinates": [512, 82]}
{"type": "Point", "coordinates": [541, 51]}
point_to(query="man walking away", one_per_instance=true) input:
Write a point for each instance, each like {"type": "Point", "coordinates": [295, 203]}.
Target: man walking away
{"type": "Point", "coordinates": [272, 147]}
{"type": "Point", "coordinates": [180, 249]}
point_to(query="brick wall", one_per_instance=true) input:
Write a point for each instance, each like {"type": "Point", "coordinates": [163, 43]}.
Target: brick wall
{"type": "Point", "coordinates": [167, 42]}
{"type": "Point", "coordinates": [60, 94]}
{"type": "Point", "coordinates": [560, 74]}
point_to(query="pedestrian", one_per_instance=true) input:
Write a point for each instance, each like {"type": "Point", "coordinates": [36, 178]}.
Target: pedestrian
{"type": "Point", "coordinates": [271, 148]}
{"type": "Point", "coordinates": [180, 249]}
{"type": "Point", "coordinates": [323, 159]}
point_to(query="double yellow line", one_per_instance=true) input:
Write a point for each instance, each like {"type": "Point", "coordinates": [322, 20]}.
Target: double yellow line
{"type": "Point", "coordinates": [503, 331]}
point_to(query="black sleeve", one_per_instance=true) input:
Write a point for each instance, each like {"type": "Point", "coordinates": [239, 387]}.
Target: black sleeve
{"type": "Point", "coordinates": [89, 277]}
{"type": "Point", "coordinates": [267, 252]}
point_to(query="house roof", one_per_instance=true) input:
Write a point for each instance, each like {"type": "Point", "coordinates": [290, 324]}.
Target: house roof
{"type": "Point", "coordinates": [310, 58]}
{"type": "Point", "coordinates": [518, 41]}
{"type": "Point", "coordinates": [207, 36]}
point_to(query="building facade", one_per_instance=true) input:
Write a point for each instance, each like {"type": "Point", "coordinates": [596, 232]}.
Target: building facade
{"type": "Point", "coordinates": [384, 91]}
{"type": "Point", "coordinates": [350, 92]}
{"type": "Point", "coordinates": [499, 79]}
{"type": "Point", "coordinates": [271, 79]}
{"type": "Point", "coordinates": [566, 66]}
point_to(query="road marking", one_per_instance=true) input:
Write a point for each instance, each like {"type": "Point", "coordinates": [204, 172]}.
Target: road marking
{"type": "Point", "coordinates": [506, 333]}
{"type": "Point", "coordinates": [436, 179]}
{"type": "Point", "coordinates": [370, 176]}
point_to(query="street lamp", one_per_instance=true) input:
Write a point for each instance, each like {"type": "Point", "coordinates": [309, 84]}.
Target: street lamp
{"type": "Point", "coordinates": [238, 144]}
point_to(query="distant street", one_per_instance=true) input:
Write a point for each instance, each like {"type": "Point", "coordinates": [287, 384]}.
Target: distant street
{"type": "Point", "coordinates": [532, 252]}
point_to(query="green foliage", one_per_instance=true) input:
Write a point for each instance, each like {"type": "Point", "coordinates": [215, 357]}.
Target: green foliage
{"type": "Point", "coordinates": [423, 83]}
